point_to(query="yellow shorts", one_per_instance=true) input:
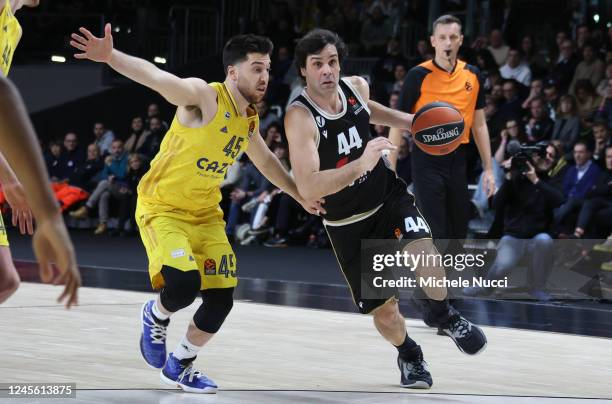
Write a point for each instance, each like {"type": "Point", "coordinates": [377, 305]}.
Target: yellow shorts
{"type": "Point", "coordinates": [3, 237]}
{"type": "Point", "coordinates": [187, 242]}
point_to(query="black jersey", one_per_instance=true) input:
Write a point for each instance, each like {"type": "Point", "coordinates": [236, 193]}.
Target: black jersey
{"type": "Point", "coordinates": [342, 138]}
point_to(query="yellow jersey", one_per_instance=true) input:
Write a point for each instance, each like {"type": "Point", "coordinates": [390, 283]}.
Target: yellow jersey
{"type": "Point", "coordinates": [185, 174]}
{"type": "Point", "coordinates": [10, 34]}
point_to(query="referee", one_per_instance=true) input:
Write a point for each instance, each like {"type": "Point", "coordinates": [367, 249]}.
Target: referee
{"type": "Point", "coordinates": [440, 182]}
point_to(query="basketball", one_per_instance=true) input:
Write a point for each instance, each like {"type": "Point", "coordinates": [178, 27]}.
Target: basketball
{"type": "Point", "coordinates": [437, 128]}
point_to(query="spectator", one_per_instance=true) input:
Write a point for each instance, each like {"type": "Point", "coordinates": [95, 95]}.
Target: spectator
{"type": "Point", "coordinates": [563, 70]}
{"type": "Point", "coordinates": [399, 75]}
{"type": "Point", "coordinates": [551, 95]}
{"type": "Point", "coordinates": [379, 131]}
{"type": "Point", "coordinates": [151, 139]}
{"type": "Point", "coordinates": [497, 93]}
{"type": "Point", "coordinates": [556, 175]}
{"type": "Point", "coordinates": [487, 66]}
{"type": "Point", "coordinates": [52, 159]}
{"type": "Point", "coordinates": [393, 99]}
{"type": "Point", "coordinates": [511, 108]}
{"type": "Point", "coordinates": [578, 180]}
{"type": "Point", "coordinates": [532, 57]}
{"type": "Point", "coordinates": [87, 175]}
{"type": "Point", "coordinates": [266, 117]}
{"type": "Point", "coordinates": [536, 90]}
{"type": "Point", "coordinates": [274, 134]}
{"type": "Point", "coordinates": [403, 166]}
{"type": "Point", "coordinates": [71, 157]}
{"type": "Point", "coordinates": [384, 68]}
{"type": "Point", "coordinates": [567, 124]}
{"type": "Point", "coordinates": [603, 84]}
{"type": "Point", "coordinates": [591, 68]}
{"type": "Point", "coordinates": [601, 137]}
{"type": "Point", "coordinates": [115, 171]}
{"type": "Point", "coordinates": [524, 206]}
{"type": "Point", "coordinates": [516, 69]}
{"type": "Point", "coordinates": [539, 126]}
{"type": "Point", "coordinates": [103, 138]}
{"type": "Point", "coordinates": [423, 52]}
{"type": "Point", "coordinates": [598, 201]}
{"type": "Point", "coordinates": [588, 101]}
{"type": "Point", "coordinates": [497, 47]}
{"type": "Point", "coordinates": [512, 132]}
{"type": "Point", "coordinates": [137, 135]}
{"type": "Point", "coordinates": [124, 192]}
{"type": "Point", "coordinates": [583, 36]}
{"type": "Point", "coordinates": [604, 111]}
{"type": "Point", "coordinates": [494, 120]}
{"type": "Point", "coordinates": [375, 32]}
{"type": "Point", "coordinates": [153, 112]}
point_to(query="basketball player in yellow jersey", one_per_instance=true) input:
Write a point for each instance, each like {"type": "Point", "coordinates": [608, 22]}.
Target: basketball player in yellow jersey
{"type": "Point", "coordinates": [18, 142]}
{"type": "Point", "coordinates": [180, 222]}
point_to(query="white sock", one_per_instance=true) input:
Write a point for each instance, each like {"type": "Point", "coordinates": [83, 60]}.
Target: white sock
{"type": "Point", "coordinates": [158, 313]}
{"type": "Point", "coordinates": [186, 350]}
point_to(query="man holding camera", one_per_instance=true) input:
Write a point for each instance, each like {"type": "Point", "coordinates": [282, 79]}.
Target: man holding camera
{"type": "Point", "coordinates": [525, 203]}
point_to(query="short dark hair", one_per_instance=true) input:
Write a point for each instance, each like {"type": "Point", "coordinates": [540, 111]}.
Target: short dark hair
{"type": "Point", "coordinates": [586, 145]}
{"type": "Point", "coordinates": [313, 43]}
{"type": "Point", "coordinates": [445, 20]}
{"type": "Point", "coordinates": [601, 122]}
{"type": "Point", "coordinates": [239, 46]}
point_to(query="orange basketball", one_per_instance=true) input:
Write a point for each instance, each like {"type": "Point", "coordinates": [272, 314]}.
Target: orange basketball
{"type": "Point", "coordinates": [437, 128]}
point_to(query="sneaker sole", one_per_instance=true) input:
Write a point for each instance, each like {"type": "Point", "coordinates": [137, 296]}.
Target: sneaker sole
{"type": "Point", "coordinates": [443, 333]}
{"type": "Point", "coordinates": [417, 385]}
{"type": "Point", "coordinates": [140, 344]}
{"type": "Point", "coordinates": [207, 390]}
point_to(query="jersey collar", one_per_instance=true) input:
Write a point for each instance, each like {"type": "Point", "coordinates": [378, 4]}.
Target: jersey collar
{"type": "Point", "coordinates": [433, 61]}
{"type": "Point", "coordinates": [251, 110]}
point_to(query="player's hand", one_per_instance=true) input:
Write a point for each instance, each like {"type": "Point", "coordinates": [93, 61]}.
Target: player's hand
{"type": "Point", "coordinates": [93, 48]}
{"type": "Point", "coordinates": [314, 207]}
{"type": "Point", "coordinates": [52, 245]}
{"type": "Point", "coordinates": [488, 182]}
{"type": "Point", "coordinates": [373, 152]}
{"type": "Point", "coordinates": [22, 215]}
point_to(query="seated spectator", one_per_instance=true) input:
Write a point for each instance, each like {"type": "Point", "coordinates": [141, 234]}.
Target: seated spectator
{"type": "Point", "coordinates": [393, 99]}
{"type": "Point", "coordinates": [124, 192]}
{"type": "Point", "coordinates": [603, 84]}
{"type": "Point", "coordinates": [375, 32]}
{"type": "Point", "coordinates": [403, 166]}
{"type": "Point", "coordinates": [588, 101]}
{"type": "Point", "coordinates": [567, 125]}
{"type": "Point", "coordinates": [497, 47]}
{"type": "Point", "coordinates": [524, 206]}
{"type": "Point", "coordinates": [512, 132]}
{"type": "Point", "coordinates": [516, 69]}
{"type": "Point", "coordinates": [551, 95]}
{"type": "Point", "coordinates": [151, 140]}
{"type": "Point", "coordinates": [153, 112]}
{"type": "Point", "coordinates": [494, 121]}
{"type": "Point", "coordinates": [536, 90]}
{"type": "Point", "coordinates": [52, 159]}
{"type": "Point", "coordinates": [71, 158]}
{"type": "Point", "coordinates": [274, 134]}
{"type": "Point", "coordinates": [379, 130]}
{"type": "Point", "coordinates": [591, 68]}
{"type": "Point", "coordinates": [511, 106]}
{"type": "Point", "coordinates": [87, 175]}
{"type": "Point", "coordinates": [563, 70]}
{"type": "Point", "coordinates": [598, 202]}
{"type": "Point", "coordinates": [384, 68]}
{"type": "Point", "coordinates": [137, 135]}
{"type": "Point", "coordinates": [556, 175]}
{"type": "Point", "coordinates": [604, 112]}
{"type": "Point", "coordinates": [266, 117]}
{"type": "Point", "coordinates": [424, 52]}
{"type": "Point", "coordinates": [103, 138]}
{"type": "Point", "coordinates": [487, 66]}
{"type": "Point", "coordinates": [539, 126]}
{"type": "Point", "coordinates": [579, 178]}
{"type": "Point", "coordinates": [115, 170]}
{"type": "Point", "coordinates": [602, 140]}
{"type": "Point", "coordinates": [399, 75]}
{"type": "Point", "coordinates": [531, 56]}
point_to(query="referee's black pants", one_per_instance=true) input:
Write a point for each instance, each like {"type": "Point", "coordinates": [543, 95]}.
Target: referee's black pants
{"type": "Point", "coordinates": [440, 187]}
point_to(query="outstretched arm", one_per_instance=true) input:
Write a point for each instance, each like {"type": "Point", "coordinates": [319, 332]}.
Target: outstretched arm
{"type": "Point", "coordinates": [51, 242]}
{"type": "Point", "coordinates": [180, 92]}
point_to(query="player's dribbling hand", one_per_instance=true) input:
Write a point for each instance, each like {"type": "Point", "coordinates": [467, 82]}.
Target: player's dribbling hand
{"type": "Point", "coordinates": [21, 213]}
{"type": "Point", "coordinates": [93, 48]}
{"type": "Point", "coordinates": [314, 207]}
{"type": "Point", "coordinates": [373, 152]}
{"type": "Point", "coordinates": [52, 245]}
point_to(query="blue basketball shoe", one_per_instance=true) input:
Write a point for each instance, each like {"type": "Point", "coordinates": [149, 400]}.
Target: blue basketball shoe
{"type": "Point", "coordinates": [153, 337]}
{"type": "Point", "coordinates": [182, 374]}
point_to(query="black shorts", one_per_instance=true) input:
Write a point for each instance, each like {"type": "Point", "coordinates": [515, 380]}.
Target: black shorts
{"type": "Point", "coordinates": [392, 217]}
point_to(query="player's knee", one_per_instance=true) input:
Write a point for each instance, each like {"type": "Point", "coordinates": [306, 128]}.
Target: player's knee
{"type": "Point", "coordinates": [181, 288]}
{"type": "Point", "coordinates": [388, 313]}
{"type": "Point", "coordinates": [216, 305]}
{"type": "Point", "coordinates": [8, 286]}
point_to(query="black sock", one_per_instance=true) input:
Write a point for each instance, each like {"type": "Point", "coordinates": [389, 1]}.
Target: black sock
{"type": "Point", "coordinates": [441, 310]}
{"type": "Point", "coordinates": [406, 349]}
{"type": "Point", "coordinates": [160, 322]}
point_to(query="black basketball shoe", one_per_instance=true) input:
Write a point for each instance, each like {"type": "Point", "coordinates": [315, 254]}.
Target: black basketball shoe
{"type": "Point", "coordinates": [468, 337]}
{"type": "Point", "coordinates": [415, 372]}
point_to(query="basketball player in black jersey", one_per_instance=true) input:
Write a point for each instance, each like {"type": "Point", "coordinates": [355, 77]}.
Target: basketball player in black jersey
{"type": "Point", "coordinates": [334, 156]}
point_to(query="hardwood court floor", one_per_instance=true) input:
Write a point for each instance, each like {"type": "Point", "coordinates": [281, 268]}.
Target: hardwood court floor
{"type": "Point", "coordinates": [288, 354]}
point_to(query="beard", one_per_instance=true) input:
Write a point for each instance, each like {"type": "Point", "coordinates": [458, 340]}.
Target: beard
{"type": "Point", "coordinates": [251, 96]}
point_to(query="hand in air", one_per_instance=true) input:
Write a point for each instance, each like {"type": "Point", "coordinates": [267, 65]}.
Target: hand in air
{"type": "Point", "coordinates": [93, 48]}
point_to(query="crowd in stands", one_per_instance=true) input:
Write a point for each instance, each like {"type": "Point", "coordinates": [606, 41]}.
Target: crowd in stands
{"type": "Point", "coordinates": [557, 99]}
